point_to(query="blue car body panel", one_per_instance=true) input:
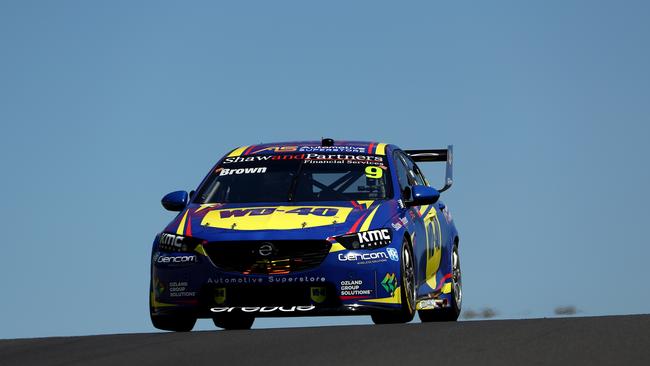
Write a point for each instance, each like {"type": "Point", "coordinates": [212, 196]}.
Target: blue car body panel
{"type": "Point", "coordinates": [347, 281]}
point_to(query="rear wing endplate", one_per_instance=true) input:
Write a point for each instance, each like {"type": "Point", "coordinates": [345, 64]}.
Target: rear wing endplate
{"type": "Point", "coordinates": [437, 155]}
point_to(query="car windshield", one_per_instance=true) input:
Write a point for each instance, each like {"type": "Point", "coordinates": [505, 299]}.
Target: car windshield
{"type": "Point", "coordinates": [297, 177]}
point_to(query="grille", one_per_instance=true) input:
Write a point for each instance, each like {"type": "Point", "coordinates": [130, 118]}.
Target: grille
{"type": "Point", "coordinates": [267, 257]}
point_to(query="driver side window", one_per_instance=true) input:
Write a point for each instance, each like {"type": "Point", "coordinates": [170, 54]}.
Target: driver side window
{"type": "Point", "coordinates": [414, 171]}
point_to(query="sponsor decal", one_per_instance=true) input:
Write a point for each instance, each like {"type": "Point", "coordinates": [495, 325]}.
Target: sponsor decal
{"type": "Point", "coordinates": [370, 239]}
{"type": "Point", "coordinates": [168, 241]}
{"type": "Point", "coordinates": [401, 204]}
{"type": "Point", "coordinates": [447, 214]}
{"type": "Point", "coordinates": [334, 149]}
{"type": "Point", "coordinates": [269, 279]}
{"type": "Point", "coordinates": [373, 236]}
{"type": "Point", "coordinates": [309, 158]}
{"type": "Point", "coordinates": [263, 211]}
{"type": "Point", "coordinates": [158, 287]}
{"type": "Point", "coordinates": [226, 171]}
{"type": "Point", "coordinates": [400, 223]}
{"type": "Point", "coordinates": [175, 259]}
{"type": "Point", "coordinates": [179, 289]}
{"type": "Point", "coordinates": [231, 280]}
{"type": "Point", "coordinates": [272, 279]}
{"type": "Point", "coordinates": [433, 242]}
{"type": "Point", "coordinates": [392, 253]}
{"type": "Point", "coordinates": [309, 148]}
{"type": "Point", "coordinates": [364, 258]}
{"type": "Point", "coordinates": [389, 283]}
{"type": "Point", "coordinates": [343, 159]}
{"type": "Point", "coordinates": [262, 309]}
{"type": "Point", "coordinates": [275, 149]}
{"type": "Point", "coordinates": [275, 218]}
{"type": "Point", "coordinates": [318, 294]}
{"type": "Point", "coordinates": [430, 304]}
{"type": "Point", "coordinates": [220, 295]}
{"type": "Point", "coordinates": [248, 159]}
{"type": "Point", "coordinates": [354, 289]}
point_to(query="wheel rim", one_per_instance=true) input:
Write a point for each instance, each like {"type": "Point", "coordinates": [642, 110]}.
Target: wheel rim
{"type": "Point", "coordinates": [409, 277]}
{"type": "Point", "coordinates": [456, 277]}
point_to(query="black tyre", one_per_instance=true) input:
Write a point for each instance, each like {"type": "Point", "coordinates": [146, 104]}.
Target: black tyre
{"type": "Point", "coordinates": [173, 323]}
{"type": "Point", "coordinates": [407, 285]}
{"type": "Point", "coordinates": [234, 321]}
{"type": "Point", "coordinates": [451, 313]}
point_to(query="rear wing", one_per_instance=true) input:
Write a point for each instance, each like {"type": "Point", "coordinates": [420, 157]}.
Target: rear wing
{"type": "Point", "coordinates": [436, 155]}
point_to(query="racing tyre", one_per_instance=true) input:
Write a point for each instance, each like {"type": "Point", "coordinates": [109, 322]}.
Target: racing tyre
{"type": "Point", "coordinates": [234, 321]}
{"type": "Point", "coordinates": [173, 323]}
{"type": "Point", "coordinates": [451, 313]}
{"type": "Point", "coordinates": [407, 292]}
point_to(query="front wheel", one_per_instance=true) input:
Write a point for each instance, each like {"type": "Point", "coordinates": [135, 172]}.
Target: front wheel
{"type": "Point", "coordinates": [173, 323]}
{"type": "Point", "coordinates": [407, 291]}
{"type": "Point", "coordinates": [451, 313]}
{"type": "Point", "coordinates": [233, 321]}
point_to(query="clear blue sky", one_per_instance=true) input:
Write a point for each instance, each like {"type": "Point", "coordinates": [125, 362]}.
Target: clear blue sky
{"type": "Point", "coordinates": [107, 106]}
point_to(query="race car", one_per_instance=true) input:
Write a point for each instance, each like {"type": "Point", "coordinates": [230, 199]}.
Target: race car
{"type": "Point", "coordinates": [309, 229]}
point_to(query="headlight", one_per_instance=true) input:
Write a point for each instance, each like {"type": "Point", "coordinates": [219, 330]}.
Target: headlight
{"type": "Point", "coordinates": [177, 243]}
{"type": "Point", "coordinates": [371, 239]}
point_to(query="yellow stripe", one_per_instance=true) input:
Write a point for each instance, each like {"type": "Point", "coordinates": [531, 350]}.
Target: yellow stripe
{"type": "Point", "coordinates": [157, 304]}
{"type": "Point", "coordinates": [446, 288]}
{"type": "Point", "coordinates": [431, 282]}
{"type": "Point", "coordinates": [181, 226]}
{"type": "Point", "coordinates": [395, 299]}
{"type": "Point", "coordinates": [204, 206]}
{"type": "Point", "coordinates": [368, 203]}
{"type": "Point", "coordinates": [366, 224]}
{"type": "Point", "coordinates": [381, 149]}
{"type": "Point", "coordinates": [199, 249]}
{"type": "Point", "coordinates": [423, 209]}
{"type": "Point", "coordinates": [336, 247]}
{"type": "Point", "coordinates": [238, 151]}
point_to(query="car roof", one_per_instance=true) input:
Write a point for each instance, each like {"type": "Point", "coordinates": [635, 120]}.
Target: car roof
{"type": "Point", "coordinates": [348, 147]}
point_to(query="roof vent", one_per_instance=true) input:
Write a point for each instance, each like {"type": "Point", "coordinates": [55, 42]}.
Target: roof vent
{"type": "Point", "coordinates": [326, 141]}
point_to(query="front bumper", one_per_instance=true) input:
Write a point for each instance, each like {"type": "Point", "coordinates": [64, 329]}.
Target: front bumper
{"type": "Point", "coordinates": [347, 282]}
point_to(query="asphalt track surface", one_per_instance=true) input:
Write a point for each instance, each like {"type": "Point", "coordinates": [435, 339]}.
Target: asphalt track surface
{"type": "Point", "coordinates": [611, 340]}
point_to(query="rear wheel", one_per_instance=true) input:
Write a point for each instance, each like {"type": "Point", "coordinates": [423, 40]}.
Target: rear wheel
{"type": "Point", "coordinates": [452, 312]}
{"type": "Point", "coordinates": [407, 291]}
{"type": "Point", "coordinates": [234, 321]}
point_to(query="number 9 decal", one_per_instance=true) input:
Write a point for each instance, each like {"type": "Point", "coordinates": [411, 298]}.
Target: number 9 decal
{"type": "Point", "coordinates": [374, 172]}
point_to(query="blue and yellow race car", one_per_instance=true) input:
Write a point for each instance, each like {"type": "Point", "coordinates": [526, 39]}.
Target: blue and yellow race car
{"type": "Point", "coordinates": [305, 229]}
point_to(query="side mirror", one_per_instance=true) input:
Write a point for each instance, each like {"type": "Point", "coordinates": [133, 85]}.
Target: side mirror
{"type": "Point", "coordinates": [423, 195]}
{"type": "Point", "coordinates": [175, 201]}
